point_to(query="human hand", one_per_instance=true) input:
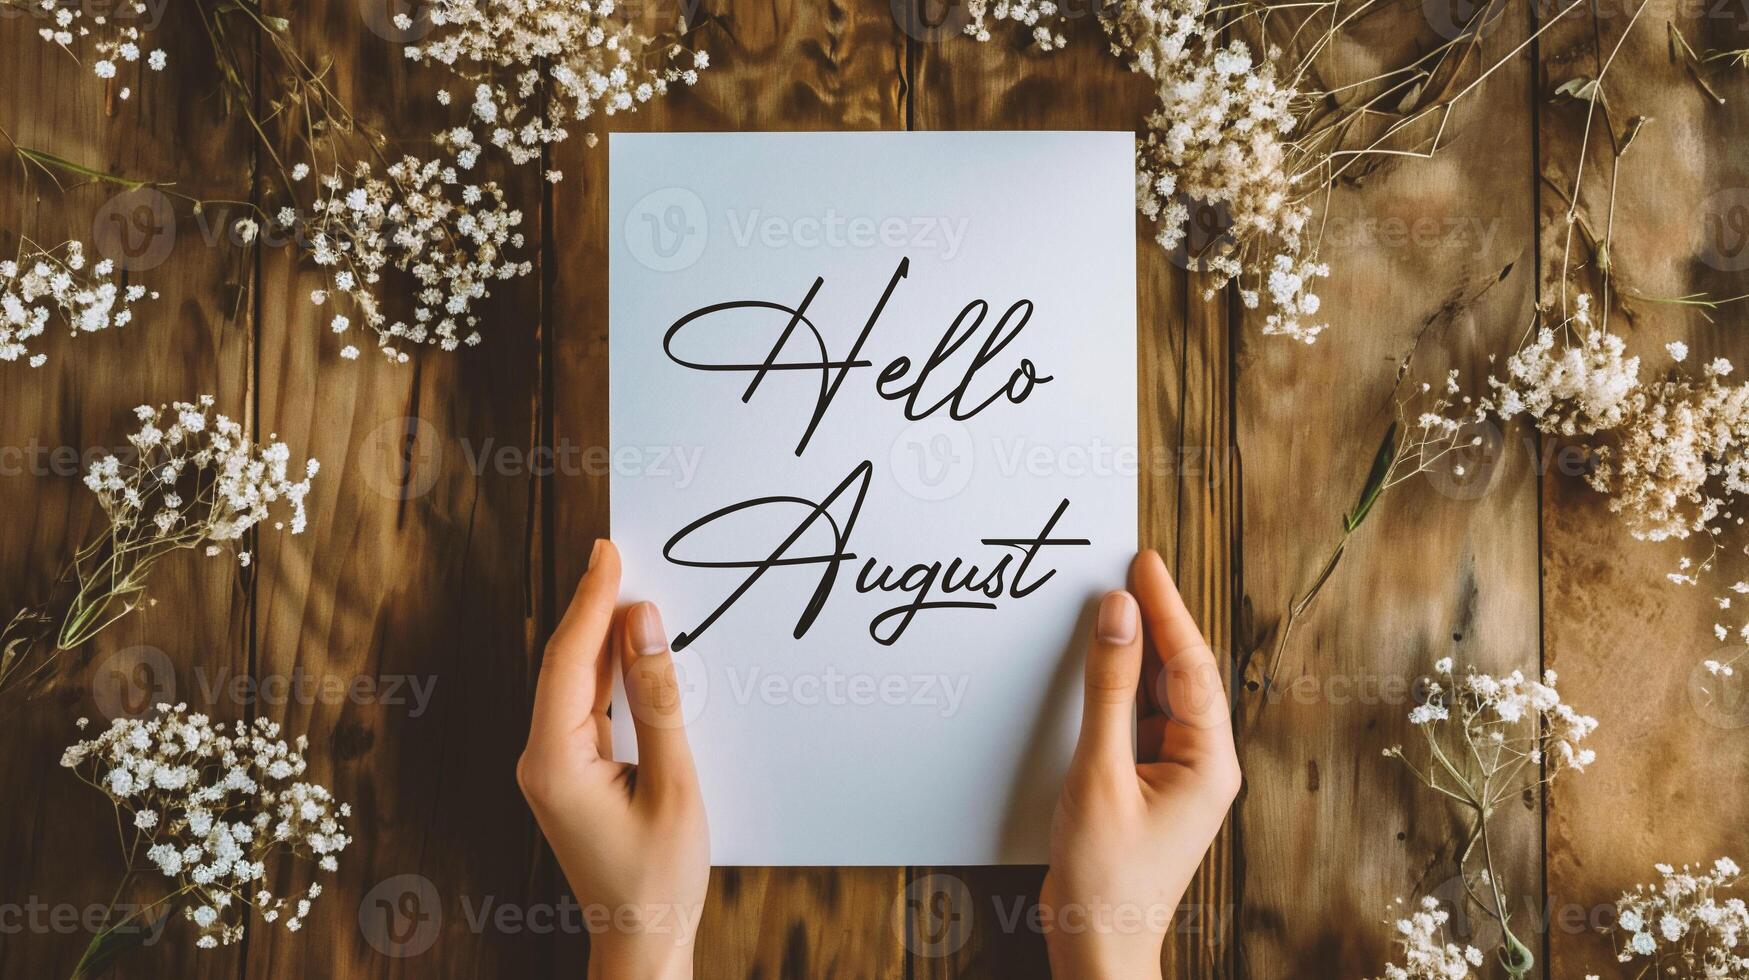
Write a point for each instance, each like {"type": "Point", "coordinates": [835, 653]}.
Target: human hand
{"type": "Point", "coordinates": [1127, 837]}
{"type": "Point", "coordinates": [631, 839]}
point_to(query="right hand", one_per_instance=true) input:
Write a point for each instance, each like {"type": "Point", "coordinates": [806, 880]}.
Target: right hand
{"type": "Point", "coordinates": [1128, 836]}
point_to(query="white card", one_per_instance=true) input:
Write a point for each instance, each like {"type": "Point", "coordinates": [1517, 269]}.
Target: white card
{"type": "Point", "coordinates": [875, 736]}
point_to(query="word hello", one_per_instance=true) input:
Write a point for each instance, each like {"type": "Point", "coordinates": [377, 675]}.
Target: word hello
{"type": "Point", "coordinates": [900, 379]}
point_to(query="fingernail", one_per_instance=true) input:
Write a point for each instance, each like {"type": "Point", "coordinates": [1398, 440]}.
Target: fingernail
{"type": "Point", "coordinates": [644, 627]}
{"type": "Point", "coordinates": [1117, 618]}
{"type": "Point", "coordinates": [595, 551]}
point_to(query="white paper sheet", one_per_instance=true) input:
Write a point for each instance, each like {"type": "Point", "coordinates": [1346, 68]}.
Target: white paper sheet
{"type": "Point", "coordinates": [870, 740]}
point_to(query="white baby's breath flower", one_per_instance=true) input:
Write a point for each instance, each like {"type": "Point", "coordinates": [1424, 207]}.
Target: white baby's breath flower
{"type": "Point", "coordinates": [107, 28]}
{"type": "Point", "coordinates": [1527, 714]}
{"type": "Point", "coordinates": [450, 241]}
{"type": "Point", "coordinates": [1572, 379]}
{"type": "Point", "coordinates": [41, 285]}
{"type": "Point", "coordinates": [203, 470]}
{"type": "Point", "coordinates": [538, 66]}
{"type": "Point", "coordinates": [215, 808]}
{"type": "Point", "coordinates": [1684, 924]}
{"type": "Point", "coordinates": [1043, 19]}
{"type": "Point", "coordinates": [1671, 453]}
{"type": "Point", "coordinates": [194, 480]}
{"type": "Point", "coordinates": [1216, 147]}
{"type": "Point", "coordinates": [1490, 739]}
{"type": "Point", "coordinates": [1427, 952]}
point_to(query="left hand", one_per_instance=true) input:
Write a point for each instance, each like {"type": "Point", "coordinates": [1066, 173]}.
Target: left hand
{"type": "Point", "coordinates": [631, 839]}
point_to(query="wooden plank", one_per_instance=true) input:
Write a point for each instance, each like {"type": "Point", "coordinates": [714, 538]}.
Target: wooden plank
{"type": "Point", "coordinates": [1205, 568]}
{"type": "Point", "coordinates": [778, 66]}
{"type": "Point", "coordinates": [961, 84]}
{"type": "Point", "coordinates": [59, 855]}
{"type": "Point", "coordinates": [1628, 643]}
{"type": "Point", "coordinates": [414, 572]}
{"type": "Point", "coordinates": [1431, 265]}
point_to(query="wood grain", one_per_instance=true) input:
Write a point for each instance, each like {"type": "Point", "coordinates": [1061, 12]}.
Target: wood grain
{"type": "Point", "coordinates": [1328, 831]}
{"type": "Point", "coordinates": [1626, 642]}
{"type": "Point", "coordinates": [840, 68]}
{"type": "Point", "coordinates": [1205, 566]}
{"type": "Point", "coordinates": [417, 573]}
{"type": "Point", "coordinates": [60, 857]}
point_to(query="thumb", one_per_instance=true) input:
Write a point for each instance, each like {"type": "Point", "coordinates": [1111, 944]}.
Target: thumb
{"type": "Point", "coordinates": [1114, 669]}
{"type": "Point", "coordinates": [653, 692]}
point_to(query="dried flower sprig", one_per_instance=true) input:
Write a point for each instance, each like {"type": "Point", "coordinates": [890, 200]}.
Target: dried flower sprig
{"type": "Point", "coordinates": [1043, 19]}
{"type": "Point", "coordinates": [1683, 925]}
{"type": "Point", "coordinates": [534, 67]}
{"type": "Point", "coordinates": [378, 226]}
{"type": "Point", "coordinates": [40, 284]}
{"type": "Point", "coordinates": [213, 810]}
{"type": "Point", "coordinates": [1671, 451]}
{"type": "Point", "coordinates": [1428, 954]}
{"type": "Point", "coordinates": [1431, 427]}
{"type": "Point", "coordinates": [449, 236]}
{"type": "Point", "coordinates": [382, 225]}
{"type": "Point", "coordinates": [112, 39]}
{"type": "Point", "coordinates": [1244, 143]}
{"type": "Point", "coordinates": [1571, 378]}
{"type": "Point", "coordinates": [1489, 739]}
{"type": "Point", "coordinates": [1218, 139]}
{"type": "Point", "coordinates": [193, 480]}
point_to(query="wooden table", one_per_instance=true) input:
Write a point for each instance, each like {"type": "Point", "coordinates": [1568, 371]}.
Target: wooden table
{"type": "Point", "coordinates": [422, 563]}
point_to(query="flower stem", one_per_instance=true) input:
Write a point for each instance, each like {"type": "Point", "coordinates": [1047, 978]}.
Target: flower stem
{"type": "Point", "coordinates": [1514, 955]}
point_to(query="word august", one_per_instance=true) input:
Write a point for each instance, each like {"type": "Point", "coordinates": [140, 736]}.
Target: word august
{"type": "Point", "coordinates": [922, 582]}
{"type": "Point", "coordinates": [895, 381]}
